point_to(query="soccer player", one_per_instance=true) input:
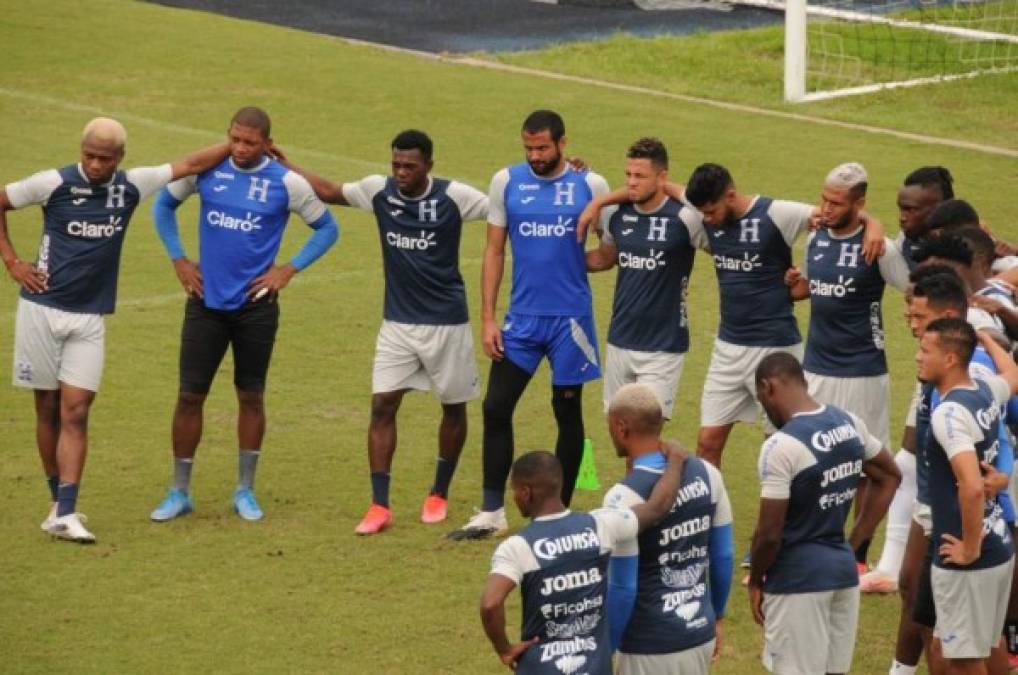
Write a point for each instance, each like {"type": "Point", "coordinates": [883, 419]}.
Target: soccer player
{"type": "Point", "coordinates": [232, 293]}
{"type": "Point", "coordinates": [922, 191]}
{"type": "Point", "coordinates": [649, 332]}
{"type": "Point", "coordinates": [535, 205]}
{"type": "Point", "coordinates": [560, 563]}
{"type": "Point", "coordinates": [803, 585]}
{"type": "Point", "coordinates": [667, 596]}
{"type": "Point", "coordinates": [845, 363]}
{"type": "Point", "coordinates": [59, 331]}
{"type": "Point", "coordinates": [751, 241]}
{"type": "Point", "coordinates": [425, 341]}
{"type": "Point", "coordinates": [973, 549]}
{"type": "Point", "coordinates": [937, 293]}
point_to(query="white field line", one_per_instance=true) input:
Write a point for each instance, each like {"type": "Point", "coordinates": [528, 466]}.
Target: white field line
{"type": "Point", "coordinates": [686, 98]}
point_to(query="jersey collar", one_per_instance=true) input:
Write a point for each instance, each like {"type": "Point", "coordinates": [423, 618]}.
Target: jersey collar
{"type": "Point", "coordinates": [255, 169]}
{"type": "Point", "coordinates": [81, 172]}
{"type": "Point", "coordinates": [431, 184]}
{"type": "Point", "coordinates": [816, 411]}
{"type": "Point", "coordinates": [654, 210]}
{"type": "Point", "coordinates": [554, 516]}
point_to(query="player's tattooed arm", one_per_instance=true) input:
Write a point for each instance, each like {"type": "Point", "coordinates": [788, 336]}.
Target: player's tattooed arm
{"type": "Point", "coordinates": [602, 258]}
{"type": "Point", "coordinates": [798, 285]}
{"type": "Point", "coordinates": [591, 216]}
{"type": "Point", "coordinates": [496, 590]}
{"type": "Point", "coordinates": [873, 240]}
{"type": "Point", "coordinates": [662, 498]}
{"type": "Point", "coordinates": [328, 191]}
{"type": "Point", "coordinates": [199, 161]}
{"type": "Point", "coordinates": [764, 550]}
{"type": "Point", "coordinates": [25, 274]}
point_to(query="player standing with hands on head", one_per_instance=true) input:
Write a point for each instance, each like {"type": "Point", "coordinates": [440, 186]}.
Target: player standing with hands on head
{"type": "Point", "coordinates": [59, 342]}
{"type": "Point", "coordinates": [232, 292]}
{"type": "Point", "coordinates": [535, 205]}
{"type": "Point", "coordinates": [425, 341]}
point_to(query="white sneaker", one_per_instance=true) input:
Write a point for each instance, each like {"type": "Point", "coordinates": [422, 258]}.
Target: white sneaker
{"type": "Point", "coordinates": [69, 527]}
{"type": "Point", "coordinates": [50, 517]}
{"type": "Point", "coordinates": [483, 525]}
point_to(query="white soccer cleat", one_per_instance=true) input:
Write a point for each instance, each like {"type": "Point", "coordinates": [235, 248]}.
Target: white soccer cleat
{"type": "Point", "coordinates": [483, 525]}
{"type": "Point", "coordinates": [50, 517]}
{"type": "Point", "coordinates": [69, 527]}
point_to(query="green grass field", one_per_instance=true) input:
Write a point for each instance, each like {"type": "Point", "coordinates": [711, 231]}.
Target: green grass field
{"type": "Point", "coordinates": [299, 592]}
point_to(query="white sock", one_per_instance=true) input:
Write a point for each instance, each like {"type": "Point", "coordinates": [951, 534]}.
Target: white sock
{"type": "Point", "coordinates": [899, 517]}
{"type": "Point", "coordinates": [901, 669]}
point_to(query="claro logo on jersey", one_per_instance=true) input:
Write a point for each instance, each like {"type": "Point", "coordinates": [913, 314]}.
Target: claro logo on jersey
{"type": "Point", "coordinates": [549, 549]}
{"type": "Point", "coordinates": [639, 262]}
{"type": "Point", "coordinates": [837, 289]}
{"type": "Point", "coordinates": [562, 228]}
{"type": "Point", "coordinates": [90, 230]}
{"type": "Point", "coordinates": [571, 580]}
{"type": "Point", "coordinates": [228, 222]}
{"type": "Point", "coordinates": [746, 263]}
{"type": "Point", "coordinates": [421, 243]}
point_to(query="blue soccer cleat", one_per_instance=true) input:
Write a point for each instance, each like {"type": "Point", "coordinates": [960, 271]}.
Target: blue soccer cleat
{"type": "Point", "coordinates": [177, 503]}
{"type": "Point", "coordinates": [245, 504]}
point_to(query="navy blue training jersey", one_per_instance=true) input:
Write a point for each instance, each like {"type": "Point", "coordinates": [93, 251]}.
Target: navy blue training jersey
{"type": "Point", "coordinates": [965, 420]}
{"type": "Point", "coordinates": [655, 259]}
{"type": "Point", "coordinates": [420, 241]}
{"type": "Point", "coordinates": [751, 256]}
{"type": "Point", "coordinates": [815, 462]}
{"type": "Point", "coordinates": [560, 563]}
{"type": "Point", "coordinates": [673, 609]}
{"type": "Point", "coordinates": [83, 232]}
{"type": "Point", "coordinates": [846, 325]}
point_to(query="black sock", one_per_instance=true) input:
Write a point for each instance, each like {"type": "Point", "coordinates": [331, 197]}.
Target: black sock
{"type": "Point", "coordinates": [444, 470]}
{"type": "Point", "coordinates": [53, 482]}
{"type": "Point", "coordinates": [380, 488]}
{"type": "Point", "coordinates": [567, 402]}
{"type": "Point", "coordinates": [506, 383]}
{"type": "Point", "coordinates": [862, 551]}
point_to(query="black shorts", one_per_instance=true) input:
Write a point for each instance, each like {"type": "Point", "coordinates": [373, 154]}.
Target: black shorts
{"type": "Point", "coordinates": [924, 612]}
{"type": "Point", "coordinates": [206, 333]}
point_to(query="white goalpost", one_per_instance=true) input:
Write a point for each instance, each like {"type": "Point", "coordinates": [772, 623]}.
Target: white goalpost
{"type": "Point", "coordinates": [844, 47]}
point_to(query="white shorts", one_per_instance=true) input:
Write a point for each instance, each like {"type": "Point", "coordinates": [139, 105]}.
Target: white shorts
{"type": "Point", "coordinates": [427, 358]}
{"type": "Point", "coordinates": [867, 397]}
{"type": "Point", "coordinates": [729, 393]}
{"type": "Point", "coordinates": [971, 607]}
{"type": "Point", "coordinates": [810, 633]}
{"type": "Point", "coordinates": [53, 346]}
{"type": "Point", "coordinates": [661, 371]}
{"type": "Point", "coordinates": [693, 661]}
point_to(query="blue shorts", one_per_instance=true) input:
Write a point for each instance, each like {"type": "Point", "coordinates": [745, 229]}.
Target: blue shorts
{"type": "Point", "coordinates": [569, 342]}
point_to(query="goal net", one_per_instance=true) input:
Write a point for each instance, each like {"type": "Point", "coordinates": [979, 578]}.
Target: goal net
{"type": "Point", "coordinates": [843, 47]}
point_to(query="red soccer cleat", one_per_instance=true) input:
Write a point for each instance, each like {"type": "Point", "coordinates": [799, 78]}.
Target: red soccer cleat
{"type": "Point", "coordinates": [375, 520]}
{"type": "Point", "coordinates": [435, 509]}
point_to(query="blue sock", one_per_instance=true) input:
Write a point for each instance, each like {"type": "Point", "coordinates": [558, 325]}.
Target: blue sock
{"type": "Point", "coordinates": [492, 500]}
{"type": "Point", "coordinates": [53, 482]}
{"type": "Point", "coordinates": [380, 488]}
{"type": "Point", "coordinates": [444, 469]}
{"type": "Point", "coordinates": [67, 498]}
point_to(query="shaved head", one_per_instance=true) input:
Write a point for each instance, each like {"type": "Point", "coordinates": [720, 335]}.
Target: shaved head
{"type": "Point", "coordinates": [540, 471]}
{"type": "Point", "coordinates": [638, 406]}
{"type": "Point", "coordinates": [105, 130]}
